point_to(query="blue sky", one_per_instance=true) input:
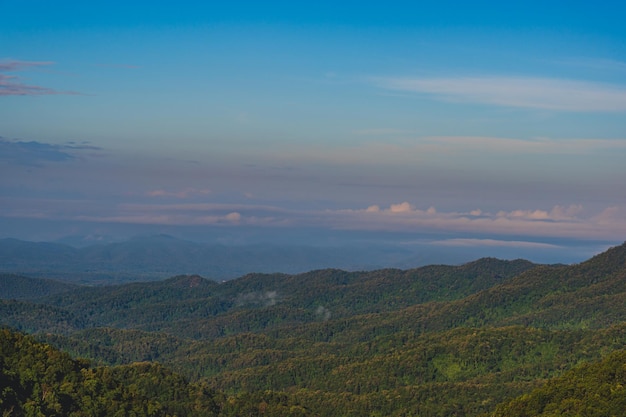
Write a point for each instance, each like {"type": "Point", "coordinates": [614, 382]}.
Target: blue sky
{"type": "Point", "coordinates": [456, 123]}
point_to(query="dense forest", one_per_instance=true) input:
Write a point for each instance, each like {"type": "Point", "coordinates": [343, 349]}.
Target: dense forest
{"type": "Point", "coordinates": [487, 338]}
{"type": "Point", "coordinates": [38, 380]}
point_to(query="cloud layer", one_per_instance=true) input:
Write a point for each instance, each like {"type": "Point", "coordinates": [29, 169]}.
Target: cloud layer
{"type": "Point", "coordinates": [558, 222]}
{"type": "Point", "coordinates": [537, 93]}
{"type": "Point", "coordinates": [70, 185]}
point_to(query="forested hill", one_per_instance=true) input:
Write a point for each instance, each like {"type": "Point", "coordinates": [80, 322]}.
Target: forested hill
{"type": "Point", "coordinates": [595, 389]}
{"type": "Point", "coordinates": [256, 301]}
{"type": "Point", "coordinates": [38, 380]}
{"type": "Point", "coordinates": [13, 286]}
{"type": "Point", "coordinates": [433, 341]}
{"type": "Point", "coordinates": [590, 294]}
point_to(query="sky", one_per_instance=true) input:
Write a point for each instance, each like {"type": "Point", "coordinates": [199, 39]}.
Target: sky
{"type": "Point", "coordinates": [454, 124]}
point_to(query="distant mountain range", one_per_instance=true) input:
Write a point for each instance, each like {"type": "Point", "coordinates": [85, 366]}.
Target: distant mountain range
{"type": "Point", "coordinates": [161, 256]}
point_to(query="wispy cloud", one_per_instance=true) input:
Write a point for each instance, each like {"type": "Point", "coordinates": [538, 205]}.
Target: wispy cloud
{"type": "Point", "coordinates": [406, 150]}
{"type": "Point", "coordinates": [35, 153]}
{"type": "Point", "coordinates": [165, 220]}
{"type": "Point", "coordinates": [15, 65]}
{"type": "Point", "coordinates": [203, 208]}
{"type": "Point", "coordinates": [11, 85]}
{"type": "Point", "coordinates": [494, 243]}
{"type": "Point", "coordinates": [191, 214]}
{"type": "Point", "coordinates": [181, 194]}
{"type": "Point", "coordinates": [594, 63]}
{"type": "Point", "coordinates": [541, 146]}
{"type": "Point", "coordinates": [537, 93]}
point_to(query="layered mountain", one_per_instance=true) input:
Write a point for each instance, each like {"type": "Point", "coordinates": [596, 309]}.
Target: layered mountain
{"type": "Point", "coordinates": [257, 301]}
{"type": "Point", "coordinates": [153, 258]}
{"type": "Point", "coordinates": [158, 257]}
{"type": "Point", "coordinates": [431, 341]}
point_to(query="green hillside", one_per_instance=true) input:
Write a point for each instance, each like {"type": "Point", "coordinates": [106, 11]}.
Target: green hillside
{"type": "Point", "coordinates": [38, 380]}
{"type": "Point", "coordinates": [37, 318]}
{"type": "Point", "coordinates": [19, 287]}
{"type": "Point", "coordinates": [590, 390]}
{"type": "Point", "coordinates": [433, 341]}
{"type": "Point", "coordinates": [259, 301]}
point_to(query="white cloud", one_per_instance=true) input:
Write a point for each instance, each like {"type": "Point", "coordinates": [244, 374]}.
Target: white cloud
{"type": "Point", "coordinates": [538, 93]}
{"type": "Point", "coordinates": [560, 221]}
{"type": "Point", "coordinates": [401, 208]}
{"type": "Point", "coordinates": [569, 212]}
{"type": "Point", "coordinates": [557, 213]}
{"type": "Point", "coordinates": [233, 217]}
{"type": "Point", "coordinates": [525, 214]}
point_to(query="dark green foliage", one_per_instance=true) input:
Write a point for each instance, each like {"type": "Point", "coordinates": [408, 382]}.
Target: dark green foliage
{"type": "Point", "coordinates": [477, 367]}
{"type": "Point", "coordinates": [190, 306]}
{"type": "Point", "coordinates": [31, 317]}
{"type": "Point", "coordinates": [18, 287]}
{"type": "Point", "coordinates": [115, 347]}
{"type": "Point", "coordinates": [36, 379]}
{"type": "Point", "coordinates": [591, 390]}
{"type": "Point", "coordinates": [435, 341]}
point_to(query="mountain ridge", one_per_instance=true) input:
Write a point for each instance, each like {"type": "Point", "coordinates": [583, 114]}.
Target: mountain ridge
{"type": "Point", "coordinates": [305, 297]}
{"type": "Point", "coordinates": [144, 258]}
{"type": "Point", "coordinates": [436, 340]}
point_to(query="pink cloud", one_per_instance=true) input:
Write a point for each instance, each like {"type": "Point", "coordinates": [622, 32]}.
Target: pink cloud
{"type": "Point", "coordinates": [610, 215]}
{"type": "Point", "coordinates": [557, 213]}
{"type": "Point", "coordinates": [11, 85]}
{"type": "Point", "coordinates": [401, 208]}
{"type": "Point", "coordinates": [15, 65]}
{"type": "Point", "coordinates": [233, 217]}
{"type": "Point", "coordinates": [560, 221]}
{"type": "Point", "coordinates": [557, 222]}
